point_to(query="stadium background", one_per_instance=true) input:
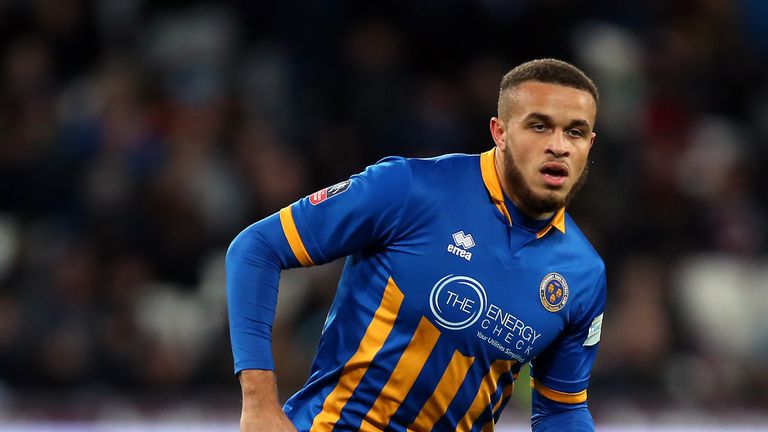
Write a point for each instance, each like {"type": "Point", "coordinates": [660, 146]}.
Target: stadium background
{"type": "Point", "coordinates": [138, 137]}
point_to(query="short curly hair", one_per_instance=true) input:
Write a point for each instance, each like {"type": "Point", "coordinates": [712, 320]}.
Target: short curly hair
{"type": "Point", "coordinates": [546, 70]}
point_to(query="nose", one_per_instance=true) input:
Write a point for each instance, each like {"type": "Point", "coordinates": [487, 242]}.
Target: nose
{"type": "Point", "coordinates": [558, 145]}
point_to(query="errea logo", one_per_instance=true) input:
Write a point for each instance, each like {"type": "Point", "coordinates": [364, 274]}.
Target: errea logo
{"type": "Point", "coordinates": [462, 242]}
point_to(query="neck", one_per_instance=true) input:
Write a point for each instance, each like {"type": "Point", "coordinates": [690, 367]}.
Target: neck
{"type": "Point", "coordinates": [498, 162]}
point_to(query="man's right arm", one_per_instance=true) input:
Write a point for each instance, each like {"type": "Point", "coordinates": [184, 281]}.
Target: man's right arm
{"type": "Point", "coordinates": [341, 220]}
{"type": "Point", "coordinates": [253, 264]}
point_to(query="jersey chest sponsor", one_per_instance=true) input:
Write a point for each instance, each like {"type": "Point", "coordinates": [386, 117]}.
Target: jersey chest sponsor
{"type": "Point", "coordinates": [461, 303]}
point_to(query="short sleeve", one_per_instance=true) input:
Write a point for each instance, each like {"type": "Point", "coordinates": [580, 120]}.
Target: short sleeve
{"type": "Point", "coordinates": [561, 372]}
{"type": "Point", "coordinates": [356, 214]}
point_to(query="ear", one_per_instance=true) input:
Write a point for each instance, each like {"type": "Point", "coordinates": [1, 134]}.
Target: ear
{"type": "Point", "coordinates": [592, 139]}
{"type": "Point", "coordinates": [498, 130]}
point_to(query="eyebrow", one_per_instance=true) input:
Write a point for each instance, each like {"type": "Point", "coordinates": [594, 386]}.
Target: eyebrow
{"type": "Point", "coordinates": [545, 118]}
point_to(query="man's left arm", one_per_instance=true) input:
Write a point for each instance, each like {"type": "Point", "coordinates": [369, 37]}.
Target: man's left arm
{"type": "Point", "coordinates": [560, 375]}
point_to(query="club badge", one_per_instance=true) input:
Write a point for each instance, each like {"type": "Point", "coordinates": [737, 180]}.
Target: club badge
{"type": "Point", "coordinates": [553, 292]}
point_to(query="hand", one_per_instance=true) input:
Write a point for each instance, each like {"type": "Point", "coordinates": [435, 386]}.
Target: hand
{"type": "Point", "coordinates": [261, 409]}
{"type": "Point", "coordinates": [265, 421]}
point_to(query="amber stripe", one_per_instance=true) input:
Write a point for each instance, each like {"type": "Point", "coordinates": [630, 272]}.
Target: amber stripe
{"type": "Point", "coordinates": [293, 237]}
{"type": "Point", "coordinates": [377, 332]}
{"type": "Point", "coordinates": [446, 390]}
{"type": "Point", "coordinates": [506, 394]}
{"type": "Point", "coordinates": [558, 396]}
{"type": "Point", "coordinates": [483, 397]}
{"type": "Point", "coordinates": [403, 376]}
{"type": "Point", "coordinates": [491, 180]}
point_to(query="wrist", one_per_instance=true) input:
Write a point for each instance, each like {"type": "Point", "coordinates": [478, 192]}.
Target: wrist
{"type": "Point", "coordinates": [259, 389]}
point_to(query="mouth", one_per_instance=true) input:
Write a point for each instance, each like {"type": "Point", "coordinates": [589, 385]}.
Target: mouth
{"type": "Point", "coordinates": [554, 173]}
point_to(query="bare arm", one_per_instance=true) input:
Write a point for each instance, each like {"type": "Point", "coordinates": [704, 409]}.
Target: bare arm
{"type": "Point", "coordinates": [261, 409]}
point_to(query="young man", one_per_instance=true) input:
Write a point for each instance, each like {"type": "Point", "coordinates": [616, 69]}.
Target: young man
{"type": "Point", "coordinates": [460, 269]}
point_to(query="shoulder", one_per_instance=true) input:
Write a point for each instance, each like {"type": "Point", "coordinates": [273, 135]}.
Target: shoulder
{"type": "Point", "coordinates": [438, 164]}
{"type": "Point", "coordinates": [582, 246]}
{"type": "Point", "coordinates": [427, 176]}
{"type": "Point", "coordinates": [453, 172]}
{"type": "Point", "coordinates": [446, 161]}
{"type": "Point", "coordinates": [390, 164]}
{"type": "Point", "coordinates": [587, 269]}
{"type": "Point", "coordinates": [387, 176]}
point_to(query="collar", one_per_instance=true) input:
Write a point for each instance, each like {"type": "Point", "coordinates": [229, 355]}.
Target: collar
{"type": "Point", "coordinates": [491, 181]}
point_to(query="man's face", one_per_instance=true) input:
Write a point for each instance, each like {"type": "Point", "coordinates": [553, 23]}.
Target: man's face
{"type": "Point", "coordinates": [544, 143]}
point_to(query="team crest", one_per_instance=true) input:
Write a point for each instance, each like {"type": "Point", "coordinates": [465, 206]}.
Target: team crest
{"type": "Point", "coordinates": [553, 292]}
{"type": "Point", "coordinates": [329, 192]}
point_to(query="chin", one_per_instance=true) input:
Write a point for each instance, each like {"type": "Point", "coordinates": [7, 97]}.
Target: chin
{"type": "Point", "coordinates": [552, 194]}
{"type": "Point", "coordinates": [545, 203]}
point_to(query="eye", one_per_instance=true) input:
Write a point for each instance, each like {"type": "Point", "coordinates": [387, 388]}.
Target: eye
{"type": "Point", "coordinates": [539, 127]}
{"type": "Point", "coordinates": [575, 133]}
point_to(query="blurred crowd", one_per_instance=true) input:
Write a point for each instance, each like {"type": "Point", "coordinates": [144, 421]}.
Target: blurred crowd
{"type": "Point", "coordinates": [138, 138]}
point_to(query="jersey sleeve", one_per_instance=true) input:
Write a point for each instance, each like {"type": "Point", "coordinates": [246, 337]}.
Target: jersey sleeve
{"type": "Point", "coordinates": [352, 216]}
{"type": "Point", "coordinates": [551, 418]}
{"type": "Point", "coordinates": [253, 264]}
{"type": "Point", "coordinates": [560, 374]}
{"type": "Point", "coordinates": [348, 217]}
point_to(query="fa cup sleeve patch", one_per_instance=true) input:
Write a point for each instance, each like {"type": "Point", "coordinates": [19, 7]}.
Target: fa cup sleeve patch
{"type": "Point", "coordinates": [329, 192]}
{"type": "Point", "coordinates": [594, 331]}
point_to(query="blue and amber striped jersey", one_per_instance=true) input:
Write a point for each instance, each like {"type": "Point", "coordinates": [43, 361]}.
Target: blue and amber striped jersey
{"type": "Point", "coordinates": [446, 292]}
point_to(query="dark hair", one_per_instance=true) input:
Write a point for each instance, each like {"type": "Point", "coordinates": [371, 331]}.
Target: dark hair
{"type": "Point", "coordinates": [547, 70]}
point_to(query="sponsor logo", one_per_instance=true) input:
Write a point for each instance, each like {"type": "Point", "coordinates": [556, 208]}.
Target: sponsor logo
{"type": "Point", "coordinates": [458, 302]}
{"type": "Point", "coordinates": [462, 242]}
{"type": "Point", "coordinates": [553, 291]}
{"type": "Point", "coordinates": [329, 192]}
